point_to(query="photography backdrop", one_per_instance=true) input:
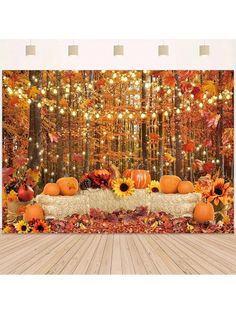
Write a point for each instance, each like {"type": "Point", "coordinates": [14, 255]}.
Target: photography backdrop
{"type": "Point", "coordinates": [95, 124]}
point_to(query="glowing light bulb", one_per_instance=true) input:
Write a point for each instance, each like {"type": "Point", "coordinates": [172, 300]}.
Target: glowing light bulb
{"type": "Point", "coordinates": [54, 91]}
{"type": "Point", "coordinates": [228, 96]}
{"type": "Point", "coordinates": [154, 115]}
{"type": "Point", "coordinates": [111, 81]}
{"type": "Point", "coordinates": [201, 105]}
{"type": "Point", "coordinates": [97, 115]}
{"type": "Point", "coordinates": [210, 101]}
{"type": "Point", "coordinates": [188, 109]}
{"type": "Point", "coordinates": [73, 113]}
{"type": "Point", "coordinates": [120, 116]}
{"type": "Point", "coordinates": [109, 116]}
{"type": "Point", "coordinates": [166, 114]}
{"type": "Point", "coordinates": [178, 111]}
{"type": "Point", "coordinates": [29, 101]}
{"type": "Point", "coordinates": [169, 91]}
{"type": "Point", "coordinates": [51, 108]}
{"type": "Point", "coordinates": [143, 115]}
{"type": "Point", "coordinates": [131, 116]}
{"type": "Point", "coordinates": [86, 115]}
{"type": "Point", "coordinates": [62, 111]}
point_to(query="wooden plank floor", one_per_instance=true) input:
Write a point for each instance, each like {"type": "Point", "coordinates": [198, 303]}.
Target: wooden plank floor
{"type": "Point", "coordinates": [118, 254]}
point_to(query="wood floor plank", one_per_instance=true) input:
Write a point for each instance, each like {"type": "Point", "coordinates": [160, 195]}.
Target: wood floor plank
{"type": "Point", "coordinates": [136, 258]}
{"type": "Point", "coordinates": [61, 263]}
{"type": "Point", "coordinates": [51, 255]}
{"type": "Point", "coordinates": [148, 263]}
{"type": "Point", "coordinates": [105, 266]}
{"type": "Point", "coordinates": [203, 264]}
{"type": "Point", "coordinates": [126, 259]}
{"type": "Point", "coordinates": [82, 266]}
{"type": "Point", "coordinates": [118, 254]}
{"type": "Point", "coordinates": [31, 263]}
{"type": "Point", "coordinates": [116, 265]}
{"type": "Point", "coordinates": [164, 264]}
{"type": "Point", "coordinates": [75, 259]}
{"type": "Point", "coordinates": [218, 261]}
{"type": "Point", "coordinates": [16, 254]}
{"type": "Point", "coordinates": [94, 265]}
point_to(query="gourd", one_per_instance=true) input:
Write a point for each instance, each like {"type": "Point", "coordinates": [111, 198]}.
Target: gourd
{"type": "Point", "coordinates": [68, 186]}
{"type": "Point", "coordinates": [185, 187]}
{"type": "Point", "coordinates": [203, 212]}
{"type": "Point", "coordinates": [140, 177]}
{"type": "Point", "coordinates": [169, 184]}
{"type": "Point", "coordinates": [51, 189]}
{"type": "Point", "coordinates": [34, 211]}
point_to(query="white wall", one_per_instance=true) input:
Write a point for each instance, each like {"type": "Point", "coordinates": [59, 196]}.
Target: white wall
{"type": "Point", "coordinates": [98, 54]}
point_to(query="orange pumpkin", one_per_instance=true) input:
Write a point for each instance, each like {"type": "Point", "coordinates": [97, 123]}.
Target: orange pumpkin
{"type": "Point", "coordinates": [169, 184]}
{"type": "Point", "coordinates": [101, 172]}
{"type": "Point", "coordinates": [21, 210]}
{"type": "Point", "coordinates": [34, 211]}
{"type": "Point", "coordinates": [203, 212]}
{"type": "Point", "coordinates": [68, 186]}
{"type": "Point", "coordinates": [140, 177]}
{"type": "Point", "coordinates": [51, 189]}
{"type": "Point", "coordinates": [185, 187]}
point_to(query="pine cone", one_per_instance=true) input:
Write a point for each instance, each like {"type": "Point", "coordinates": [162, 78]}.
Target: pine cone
{"type": "Point", "coordinates": [86, 184]}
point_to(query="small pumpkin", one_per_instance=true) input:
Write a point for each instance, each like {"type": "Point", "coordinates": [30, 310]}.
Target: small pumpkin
{"type": "Point", "coordinates": [185, 187]}
{"type": "Point", "coordinates": [140, 177]}
{"type": "Point", "coordinates": [34, 211]}
{"type": "Point", "coordinates": [51, 189]}
{"type": "Point", "coordinates": [203, 212]}
{"type": "Point", "coordinates": [169, 184]}
{"type": "Point", "coordinates": [68, 186]}
{"type": "Point", "coordinates": [101, 172]}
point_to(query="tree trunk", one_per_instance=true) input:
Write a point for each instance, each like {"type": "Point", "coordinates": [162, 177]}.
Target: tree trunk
{"type": "Point", "coordinates": [59, 148]}
{"type": "Point", "coordinates": [144, 125]}
{"type": "Point", "coordinates": [178, 130]}
{"type": "Point", "coordinates": [87, 144]}
{"type": "Point", "coordinates": [34, 123]}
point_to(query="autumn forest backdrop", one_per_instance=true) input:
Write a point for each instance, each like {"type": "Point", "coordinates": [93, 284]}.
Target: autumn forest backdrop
{"type": "Point", "coordinates": [70, 122]}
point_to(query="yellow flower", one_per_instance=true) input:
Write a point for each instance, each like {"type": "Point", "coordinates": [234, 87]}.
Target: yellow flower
{"type": "Point", "coordinates": [4, 198]}
{"type": "Point", "coordinates": [12, 196]}
{"type": "Point", "coordinates": [190, 228]}
{"type": "Point", "coordinates": [154, 187]}
{"type": "Point", "coordinates": [226, 219]}
{"type": "Point", "coordinates": [22, 227]}
{"type": "Point", "coordinates": [220, 192]}
{"type": "Point", "coordinates": [123, 187]}
{"type": "Point", "coordinates": [7, 229]}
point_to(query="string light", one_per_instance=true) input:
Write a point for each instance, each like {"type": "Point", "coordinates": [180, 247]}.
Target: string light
{"type": "Point", "coordinates": [73, 113]}
{"type": "Point", "coordinates": [154, 115]}
{"type": "Point", "coordinates": [51, 108]}
{"type": "Point", "coordinates": [143, 115]}
{"type": "Point", "coordinates": [62, 111]}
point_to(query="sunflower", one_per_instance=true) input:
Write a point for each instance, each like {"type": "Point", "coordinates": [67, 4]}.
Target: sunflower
{"type": "Point", "coordinates": [154, 187]}
{"type": "Point", "coordinates": [220, 192]}
{"type": "Point", "coordinates": [123, 187]}
{"type": "Point", "coordinates": [22, 227]}
{"type": "Point", "coordinates": [40, 226]}
{"type": "Point", "coordinates": [7, 229]}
